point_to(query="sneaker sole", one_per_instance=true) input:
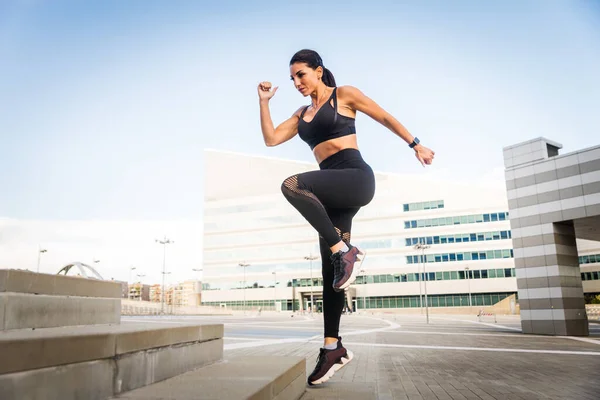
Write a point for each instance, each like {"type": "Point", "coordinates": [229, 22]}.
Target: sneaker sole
{"type": "Point", "coordinates": [360, 257]}
{"type": "Point", "coordinates": [334, 369]}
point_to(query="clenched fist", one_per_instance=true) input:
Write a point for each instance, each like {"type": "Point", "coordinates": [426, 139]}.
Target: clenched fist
{"type": "Point", "coordinates": [264, 90]}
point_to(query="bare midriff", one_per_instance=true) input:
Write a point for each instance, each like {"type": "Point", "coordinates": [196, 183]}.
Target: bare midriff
{"type": "Point", "coordinates": [330, 147]}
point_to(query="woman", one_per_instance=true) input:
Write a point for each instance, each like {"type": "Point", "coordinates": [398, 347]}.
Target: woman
{"type": "Point", "coordinates": [330, 197]}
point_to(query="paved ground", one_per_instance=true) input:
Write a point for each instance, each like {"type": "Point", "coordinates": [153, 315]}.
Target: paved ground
{"type": "Point", "coordinates": [452, 357]}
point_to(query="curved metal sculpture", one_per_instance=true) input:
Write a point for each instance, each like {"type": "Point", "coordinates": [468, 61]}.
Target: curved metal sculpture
{"type": "Point", "coordinates": [82, 269]}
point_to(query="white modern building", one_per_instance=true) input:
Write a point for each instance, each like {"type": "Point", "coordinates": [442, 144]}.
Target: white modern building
{"type": "Point", "coordinates": [260, 252]}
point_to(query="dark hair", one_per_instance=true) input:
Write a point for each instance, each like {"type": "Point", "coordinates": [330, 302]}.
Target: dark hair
{"type": "Point", "coordinates": [313, 60]}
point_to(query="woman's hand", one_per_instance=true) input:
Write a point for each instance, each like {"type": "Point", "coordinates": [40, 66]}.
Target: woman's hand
{"type": "Point", "coordinates": [264, 91]}
{"type": "Point", "coordinates": [424, 155]}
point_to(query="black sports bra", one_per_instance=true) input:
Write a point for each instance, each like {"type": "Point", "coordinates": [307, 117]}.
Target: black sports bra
{"type": "Point", "coordinates": [327, 124]}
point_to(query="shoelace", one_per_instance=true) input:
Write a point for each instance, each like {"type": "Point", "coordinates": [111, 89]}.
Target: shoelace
{"type": "Point", "coordinates": [320, 359]}
{"type": "Point", "coordinates": [338, 272]}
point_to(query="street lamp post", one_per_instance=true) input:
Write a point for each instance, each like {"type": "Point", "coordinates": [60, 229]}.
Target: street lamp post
{"type": "Point", "coordinates": [164, 242]}
{"type": "Point", "coordinates": [244, 265]}
{"type": "Point", "coordinates": [417, 247]}
{"type": "Point", "coordinates": [40, 251]}
{"type": "Point", "coordinates": [141, 285]}
{"type": "Point", "coordinates": [362, 271]}
{"type": "Point", "coordinates": [422, 247]}
{"type": "Point", "coordinates": [310, 257]}
{"type": "Point", "coordinates": [274, 290]}
{"type": "Point", "coordinates": [469, 286]}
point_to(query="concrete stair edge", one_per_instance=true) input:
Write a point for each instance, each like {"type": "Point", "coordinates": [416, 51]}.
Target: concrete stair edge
{"type": "Point", "coordinates": [19, 281]}
{"type": "Point", "coordinates": [27, 310]}
{"type": "Point", "coordinates": [27, 349]}
{"type": "Point", "coordinates": [248, 377]}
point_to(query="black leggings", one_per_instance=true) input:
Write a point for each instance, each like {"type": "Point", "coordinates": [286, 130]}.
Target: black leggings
{"type": "Point", "coordinates": [328, 199]}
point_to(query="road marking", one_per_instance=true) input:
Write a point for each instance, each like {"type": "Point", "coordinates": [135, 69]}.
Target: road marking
{"type": "Point", "coordinates": [465, 334]}
{"type": "Point", "coordinates": [269, 342]}
{"type": "Point", "coordinates": [501, 350]}
{"type": "Point", "coordinates": [481, 323]}
{"type": "Point", "coordinates": [581, 339]}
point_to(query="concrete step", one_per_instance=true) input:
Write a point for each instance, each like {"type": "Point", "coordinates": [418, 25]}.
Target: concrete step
{"type": "Point", "coordinates": [18, 281]}
{"type": "Point", "coordinates": [32, 300]}
{"type": "Point", "coordinates": [98, 362]}
{"type": "Point", "coordinates": [24, 310]}
{"type": "Point", "coordinates": [251, 378]}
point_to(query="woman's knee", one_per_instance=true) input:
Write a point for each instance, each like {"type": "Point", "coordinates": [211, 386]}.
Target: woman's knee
{"type": "Point", "coordinates": [292, 185]}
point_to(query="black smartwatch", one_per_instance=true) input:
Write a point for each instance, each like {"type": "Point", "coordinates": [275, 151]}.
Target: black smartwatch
{"type": "Point", "coordinates": [415, 142]}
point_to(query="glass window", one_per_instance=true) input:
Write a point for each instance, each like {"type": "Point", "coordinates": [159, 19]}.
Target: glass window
{"type": "Point", "coordinates": [471, 219]}
{"type": "Point", "coordinates": [494, 217]}
{"type": "Point", "coordinates": [429, 240]}
{"type": "Point", "coordinates": [438, 276]}
{"type": "Point", "coordinates": [477, 274]}
{"type": "Point", "coordinates": [413, 224]}
{"type": "Point", "coordinates": [461, 274]}
{"type": "Point", "coordinates": [458, 239]}
{"type": "Point", "coordinates": [453, 274]}
{"type": "Point", "coordinates": [456, 220]}
{"type": "Point", "coordinates": [438, 258]}
{"type": "Point", "coordinates": [502, 216]}
{"type": "Point", "coordinates": [473, 237]}
{"type": "Point", "coordinates": [499, 273]}
{"type": "Point", "coordinates": [484, 274]}
{"type": "Point", "coordinates": [491, 273]}
{"type": "Point", "coordinates": [480, 237]}
{"type": "Point", "coordinates": [464, 219]}
{"type": "Point", "coordinates": [474, 256]}
{"type": "Point", "coordinates": [436, 240]}
{"type": "Point", "coordinates": [504, 235]}
{"type": "Point", "coordinates": [463, 256]}
{"type": "Point", "coordinates": [446, 275]}
{"type": "Point", "coordinates": [479, 218]}
{"type": "Point", "coordinates": [450, 239]}
{"type": "Point", "coordinates": [406, 207]}
{"type": "Point", "coordinates": [584, 260]}
{"type": "Point", "coordinates": [507, 272]}
{"type": "Point", "coordinates": [444, 239]}
{"type": "Point", "coordinates": [444, 257]}
{"type": "Point", "coordinates": [452, 256]}
{"type": "Point", "coordinates": [486, 217]}
{"type": "Point", "coordinates": [595, 275]}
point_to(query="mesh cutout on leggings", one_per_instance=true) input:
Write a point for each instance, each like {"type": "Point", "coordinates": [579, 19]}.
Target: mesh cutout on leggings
{"type": "Point", "coordinates": [291, 184]}
{"type": "Point", "coordinates": [346, 237]}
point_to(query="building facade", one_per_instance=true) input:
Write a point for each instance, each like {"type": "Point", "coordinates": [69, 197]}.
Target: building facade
{"type": "Point", "coordinates": [260, 252]}
{"type": "Point", "coordinates": [554, 201]}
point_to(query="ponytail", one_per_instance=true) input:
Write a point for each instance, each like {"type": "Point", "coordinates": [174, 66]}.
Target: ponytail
{"type": "Point", "coordinates": [328, 78]}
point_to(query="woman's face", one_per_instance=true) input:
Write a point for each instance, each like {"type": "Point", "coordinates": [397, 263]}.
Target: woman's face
{"type": "Point", "coordinates": [305, 78]}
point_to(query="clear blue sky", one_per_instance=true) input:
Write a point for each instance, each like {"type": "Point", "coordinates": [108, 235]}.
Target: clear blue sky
{"type": "Point", "coordinates": [105, 107]}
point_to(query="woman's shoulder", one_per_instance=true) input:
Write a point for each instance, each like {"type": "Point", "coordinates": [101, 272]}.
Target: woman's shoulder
{"type": "Point", "coordinates": [348, 91]}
